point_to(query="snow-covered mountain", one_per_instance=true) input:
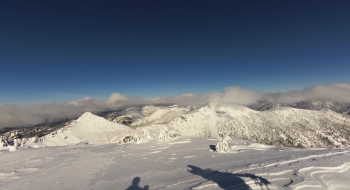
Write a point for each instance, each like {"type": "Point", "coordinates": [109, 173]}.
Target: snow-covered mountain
{"type": "Point", "coordinates": [124, 116]}
{"type": "Point", "coordinates": [282, 126]}
{"type": "Point", "coordinates": [88, 128]}
{"type": "Point", "coordinates": [278, 125]}
{"type": "Point", "coordinates": [187, 162]}
{"type": "Point", "coordinates": [65, 133]}
{"type": "Point", "coordinates": [160, 115]}
{"type": "Point", "coordinates": [28, 132]}
{"type": "Point", "coordinates": [147, 115]}
{"type": "Point", "coordinates": [337, 106]}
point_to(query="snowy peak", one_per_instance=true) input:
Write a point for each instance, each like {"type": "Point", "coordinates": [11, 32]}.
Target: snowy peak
{"type": "Point", "coordinates": [88, 116]}
{"type": "Point", "coordinates": [88, 128]}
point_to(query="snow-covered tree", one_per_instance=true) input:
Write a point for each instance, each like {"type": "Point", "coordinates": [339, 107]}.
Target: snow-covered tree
{"type": "Point", "coordinates": [14, 147]}
{"type": "Point", "coordinates": [172, 134]}
{"type": "Point", "coordinates": [1, 145]}
{"type": "Point", "coordinates": [163, 135]}
{"type": "Point", "coordinates": [129, 138]}
{"type": "Point", "coordinates": [126, 139]}
{"type": "Point", "coordinates": [136, 138]}
{"type": "Point", "coordinates": [17, 142]}
{"type": "Point", "coordinates": [222, 145]}
{"type": "Point", "coordinates": [207, 131]}
{"type": "Point", "coordinates": [34, 139]}
{"type": "Point", "coordinates": [23, 142]}
{"type": "Point", "coordinates": [146, 134]}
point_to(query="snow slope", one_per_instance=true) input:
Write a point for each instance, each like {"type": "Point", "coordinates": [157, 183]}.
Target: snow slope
{"type": "Point", "coordinates": [282, 126]}
{"type": "Point", "coordinates": [160, 116]}
{"type": "Point", "coordinates": [87, 128]}
{"type": "Point", "coordinates": [146, 115]}
{"type": "Point", "coordinates": [182, 163]}
{"type": "Point", "coordinates": [127, 116]}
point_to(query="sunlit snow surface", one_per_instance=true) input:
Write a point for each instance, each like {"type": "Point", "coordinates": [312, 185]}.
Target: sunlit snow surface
{"type": "Point", "coordinates": [180, 163]}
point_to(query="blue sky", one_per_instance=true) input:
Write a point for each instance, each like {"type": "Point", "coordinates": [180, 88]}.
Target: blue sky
{"type": "Point", "coordinates": [65, 50]}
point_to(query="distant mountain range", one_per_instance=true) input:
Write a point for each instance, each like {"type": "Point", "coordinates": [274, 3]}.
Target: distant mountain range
{"type": "Point", "coordinates": [303, 124]}
{"type": "Point", "coordinates": [281, 126]}
{"type": "Point", "coordinates": [336, 106]}
{"type": "Point", "coordinates": [146, 115]}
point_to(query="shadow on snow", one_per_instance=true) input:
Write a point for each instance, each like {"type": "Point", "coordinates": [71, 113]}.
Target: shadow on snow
{"type": "Point", "coordinates": [135, 185]}
{"type": "Point", "coordinates": [228, 181]}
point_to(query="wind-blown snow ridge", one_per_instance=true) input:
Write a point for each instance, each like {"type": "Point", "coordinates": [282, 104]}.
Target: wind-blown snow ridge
{"type": "Point", "coordinates": [325, 177]}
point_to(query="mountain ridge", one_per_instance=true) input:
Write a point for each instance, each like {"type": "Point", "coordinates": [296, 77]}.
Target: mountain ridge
{"type": "Point", "coordinates": [280, 125]}
{"type": "Point", "coordinates": [337, 106]}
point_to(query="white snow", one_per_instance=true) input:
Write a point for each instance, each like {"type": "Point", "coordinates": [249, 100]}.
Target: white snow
{"type": "Point", "coordinates": [87, 128]}
{"type": "Point", "coordinates": [159, 115]}
{"type": "Point", "coordinates": [282, 126]}
{"type": "Point", "coordinates": [222, 145]}
{"type": "Point", "coordinates": [155, 157]}
{"type": "Point", "coordinates": [182, 163]}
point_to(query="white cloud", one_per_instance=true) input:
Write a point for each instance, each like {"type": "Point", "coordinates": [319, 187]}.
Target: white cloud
{"type": "Point", "coordinates": [15, 115]}
{"type": "Point", "coordinates": [238, 95]}
{"type": "Point", "coordinates": [335, 91]}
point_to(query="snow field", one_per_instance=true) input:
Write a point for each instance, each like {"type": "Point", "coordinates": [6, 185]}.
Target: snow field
{"type": "Point", "coordinates": [155, 157]}
{"type": "Point", "coordinates": [178, 163]}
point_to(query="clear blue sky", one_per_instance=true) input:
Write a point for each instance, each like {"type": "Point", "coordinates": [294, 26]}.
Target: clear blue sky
{"type": "Point", "coordinates": [62, 50]}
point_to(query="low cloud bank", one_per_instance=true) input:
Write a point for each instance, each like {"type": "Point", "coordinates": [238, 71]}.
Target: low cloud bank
{"type": "Point", "coordinates": [334, 91]}
{"type": "Point", "coordinates": [15, 115]}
